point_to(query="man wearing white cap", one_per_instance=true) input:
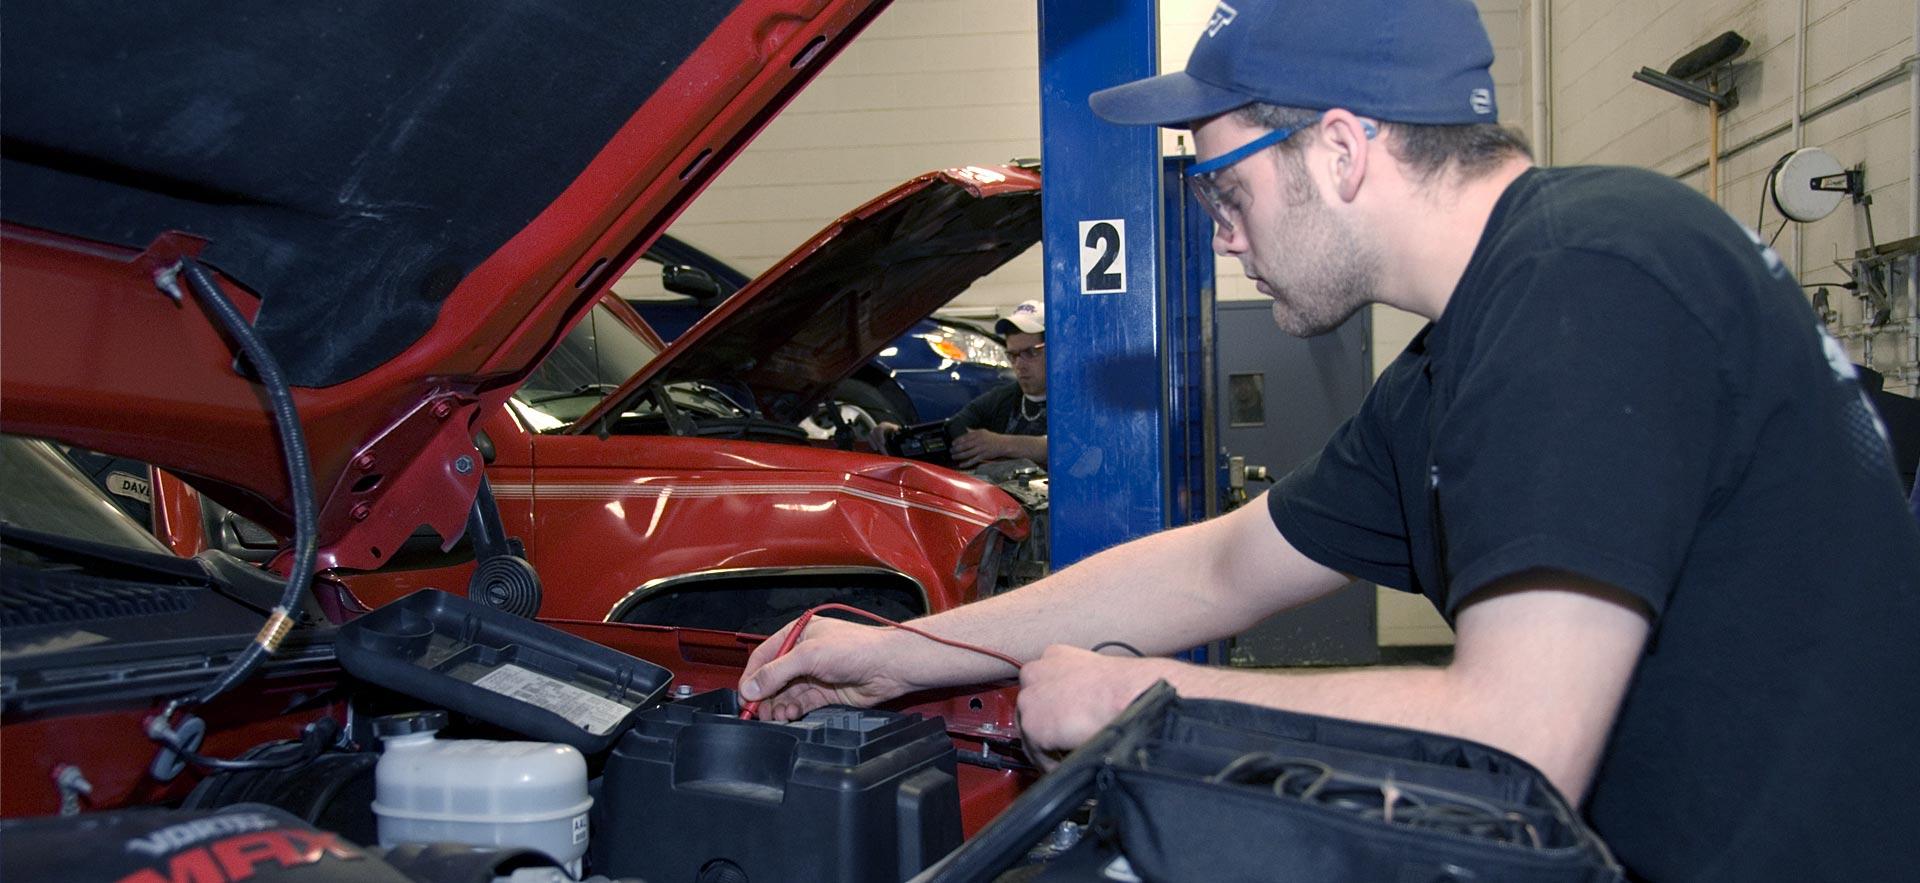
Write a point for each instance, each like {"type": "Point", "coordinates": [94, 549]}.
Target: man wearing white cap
{"type": "Point", "coordinates": [1008, 422]}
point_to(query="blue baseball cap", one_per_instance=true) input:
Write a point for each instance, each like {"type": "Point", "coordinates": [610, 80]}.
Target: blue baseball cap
{"type": "Point", "coordinates": [1405, 61]}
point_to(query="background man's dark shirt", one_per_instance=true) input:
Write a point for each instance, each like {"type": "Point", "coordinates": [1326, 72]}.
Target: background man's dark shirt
{"type": "Point", "coordinates": [1001, 410]}
{"type": "Point", "coordinates": [1627, 385]}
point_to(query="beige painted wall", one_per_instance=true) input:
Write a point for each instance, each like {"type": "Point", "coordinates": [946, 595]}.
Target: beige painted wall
{"type": "Point", "coordinates": [937, 83]}
{"type": "Point", "coordinates": [931, 84]}
{"type": "Point", "coordinates": [1602, 116]}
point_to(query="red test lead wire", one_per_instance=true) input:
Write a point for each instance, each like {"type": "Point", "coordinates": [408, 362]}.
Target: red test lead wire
{"type": "Point", "coordinates": [748, 710]}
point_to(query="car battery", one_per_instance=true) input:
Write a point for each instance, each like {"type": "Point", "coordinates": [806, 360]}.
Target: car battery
{"type": "Point", "coordinates": [694, 793]}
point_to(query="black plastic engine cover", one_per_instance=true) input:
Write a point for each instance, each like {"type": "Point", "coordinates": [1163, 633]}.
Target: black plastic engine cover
{"type": "Point", "coordinates": [245, 842]}
{"type": "Point", "coordinates": [694, 793]}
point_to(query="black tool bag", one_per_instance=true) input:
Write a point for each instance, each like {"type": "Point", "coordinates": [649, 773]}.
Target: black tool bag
{"type": "Point", "coordinates": [1220, 791]}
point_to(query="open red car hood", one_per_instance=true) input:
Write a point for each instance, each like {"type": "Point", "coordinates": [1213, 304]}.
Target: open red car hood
{"type": "Point", "coordinates": [412, 201]}
{"type": "Point", "coordinates": [814, 318]}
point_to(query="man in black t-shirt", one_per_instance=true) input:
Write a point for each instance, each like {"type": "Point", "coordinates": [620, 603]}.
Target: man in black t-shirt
{"type": "Point", "coordinates": [1008, 422]}
{"type": "Point", "coordinates": [1622, 459]}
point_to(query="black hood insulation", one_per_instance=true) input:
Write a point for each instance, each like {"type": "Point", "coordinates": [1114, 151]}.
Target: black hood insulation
{"type": "Point", "coordinates": [349, 162]}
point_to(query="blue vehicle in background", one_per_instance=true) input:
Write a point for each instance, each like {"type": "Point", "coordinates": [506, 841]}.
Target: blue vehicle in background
{"type": "Point", "coordinates": [926, 374]}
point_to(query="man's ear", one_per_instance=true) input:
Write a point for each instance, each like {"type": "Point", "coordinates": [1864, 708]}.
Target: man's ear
{"type": "Point", "coordinates": [1349, 140]}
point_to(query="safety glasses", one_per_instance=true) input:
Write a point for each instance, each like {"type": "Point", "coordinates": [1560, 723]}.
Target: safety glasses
{"type": "Point", "coordinates": [1220, 197]}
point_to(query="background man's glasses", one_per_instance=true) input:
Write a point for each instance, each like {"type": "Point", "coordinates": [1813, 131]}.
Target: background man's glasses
{"type": "Point", "coordinates": [1032, 352]}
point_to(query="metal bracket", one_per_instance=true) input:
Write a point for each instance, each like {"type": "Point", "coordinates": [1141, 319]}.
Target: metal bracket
{"type": "Point", "coordinates": [384, 493]}
{"type": "Point", "coordinates": [1851, 182]}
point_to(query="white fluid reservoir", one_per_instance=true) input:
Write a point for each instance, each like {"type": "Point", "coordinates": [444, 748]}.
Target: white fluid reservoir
{"type": "Point", "coordinates": [531, 795]}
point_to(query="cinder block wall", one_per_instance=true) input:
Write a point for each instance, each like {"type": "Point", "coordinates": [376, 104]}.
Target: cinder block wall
{"type": "Point", "coordinates": [931, 84]}
{"type": "Point", "coordinates": [1602, 116]}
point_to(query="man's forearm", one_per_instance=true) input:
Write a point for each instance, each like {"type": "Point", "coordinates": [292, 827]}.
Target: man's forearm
{"type": "Point", "coordinates": [1406, 697]}
{"type": "Point", "coordinates": [1433, 699]}
{"type": "Point", "coordinates": [1160, 593]}
{"type": "Point", "coordinates": [1539, 670]}
{"type": "Point", "coordinates": [1030, 447]}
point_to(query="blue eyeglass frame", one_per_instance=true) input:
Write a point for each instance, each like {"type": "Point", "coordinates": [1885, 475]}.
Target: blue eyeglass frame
{"type": "Point", "coordinates": [1202, 169]}
{"type": "Point", "coordinates": [1256, 145]}
{"type": "Point", "coordinates": [1199, 176]}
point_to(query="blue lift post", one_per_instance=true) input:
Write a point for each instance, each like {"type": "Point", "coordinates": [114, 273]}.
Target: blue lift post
{"type": "Point", "coordinates": [1193, 485]}
{"type": "Point", "coordinates": [1130, 367]}
{"type": "Point", "coordinates": [1193, 488]}
{"type": "Point", "coordinates": [1100, 192]}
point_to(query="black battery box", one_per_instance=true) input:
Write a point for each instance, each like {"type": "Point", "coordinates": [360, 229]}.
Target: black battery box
{"type": "Point", "coordinates": [526, 676]}
{"type": "Point", "coordinates": [694, 793]}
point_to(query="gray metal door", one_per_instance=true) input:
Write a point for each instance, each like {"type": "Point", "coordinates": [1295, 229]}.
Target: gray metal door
{"type": "Point", "coordinates": [1280, 399]}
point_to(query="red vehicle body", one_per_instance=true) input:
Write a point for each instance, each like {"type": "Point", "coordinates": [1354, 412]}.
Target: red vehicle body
{"type": "Point", "coordinates": [607, 523]}
{"type": "Point", "coordinates": [95, 354]}
{"type": "Point", "coordinates": [620, 510]}
{"type": "Point", "coordinates": [632, 521]}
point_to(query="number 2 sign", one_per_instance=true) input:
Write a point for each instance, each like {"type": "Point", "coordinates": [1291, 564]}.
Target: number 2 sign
{"type": "Point", "coordinates": [1103, 256]}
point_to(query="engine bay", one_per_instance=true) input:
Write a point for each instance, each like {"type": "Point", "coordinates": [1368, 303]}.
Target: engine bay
{"type": "Point", "coordinates": [433, 720]}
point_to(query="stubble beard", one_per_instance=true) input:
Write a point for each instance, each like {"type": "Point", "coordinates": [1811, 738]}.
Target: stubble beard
{"type": "Point", "coordinates": [1334, 271]}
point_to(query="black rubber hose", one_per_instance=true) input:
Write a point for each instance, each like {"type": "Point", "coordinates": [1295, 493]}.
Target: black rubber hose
{"type": "Point", "coordinates": [293, 445]}
{"type": "Point", "coordinates": [484, 527]}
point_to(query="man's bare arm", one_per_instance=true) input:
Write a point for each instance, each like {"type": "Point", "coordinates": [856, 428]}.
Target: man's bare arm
{"type": "Point", "coordinates": [977, 446]}
{"type": "Point", "coordinates": [1541, 662]}
{"type": "Point", "coordinates": [1028, 447]}
{"type": "Point", "coordinates": [1161, 593]}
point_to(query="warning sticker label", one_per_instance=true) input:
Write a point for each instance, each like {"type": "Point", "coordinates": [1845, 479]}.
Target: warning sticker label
{"type": "Point", "coordinates": [595, 714]}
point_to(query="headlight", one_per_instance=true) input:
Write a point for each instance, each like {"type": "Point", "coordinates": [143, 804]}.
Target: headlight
{"type": "Point", "coordinates": [959, 345]}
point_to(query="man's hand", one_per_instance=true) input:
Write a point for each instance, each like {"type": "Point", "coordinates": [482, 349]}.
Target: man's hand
{"type": "Point", "coordinates": [880, 433]}
{"type": "Point", "coordinates": [977, 446]}
{"type": "Point", "coordinates": [835, 663]}
{"type": "Point", "coordinates": [1068, 694]}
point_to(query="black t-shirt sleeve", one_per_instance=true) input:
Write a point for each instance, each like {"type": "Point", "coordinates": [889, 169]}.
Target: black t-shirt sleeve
{"type": "Point", "coordinates": [1341, 508]}
{"type": "Point", "coordinates": [1580, 437]}
{"type": "Point", "coordinates": [991, 411]}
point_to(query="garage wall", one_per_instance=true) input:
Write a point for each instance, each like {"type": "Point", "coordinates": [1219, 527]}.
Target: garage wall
{"type": "Point", "coordinates": [931, 84]}
{"type": "Point", "coordinates": [1605, 117]}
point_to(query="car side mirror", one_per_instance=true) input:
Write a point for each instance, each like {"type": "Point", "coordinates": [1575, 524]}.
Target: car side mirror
{"type": "Point", "coordinates": [483, 443]}
{"type": "Point", "coordinates": [691, 281]}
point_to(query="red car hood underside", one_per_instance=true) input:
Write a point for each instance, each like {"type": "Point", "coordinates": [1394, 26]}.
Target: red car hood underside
{"type": "Point", "coordinates": [808, 323]}
{"type": "Point", "coordinates": [412, 202]}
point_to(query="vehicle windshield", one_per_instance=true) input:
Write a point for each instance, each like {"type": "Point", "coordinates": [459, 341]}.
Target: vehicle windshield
{"type": "Point", "coordinates": [45, 493]}
{"type": "Point", "coordinates": [596, 357]}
